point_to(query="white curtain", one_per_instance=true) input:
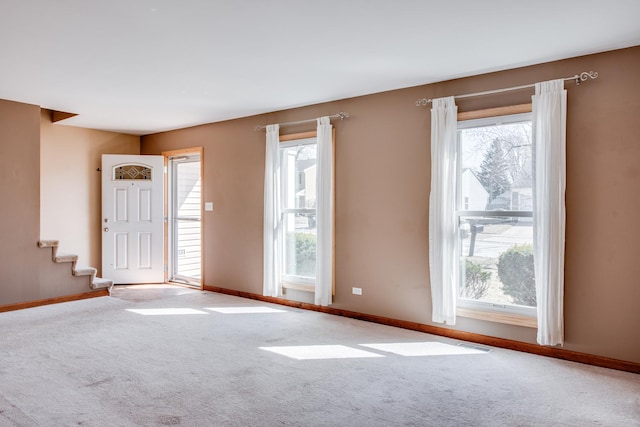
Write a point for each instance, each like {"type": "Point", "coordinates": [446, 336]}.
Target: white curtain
{"type": "Point", "coordinates": [272, 285]}
{"type": "Point", "coordinates": [442, 205]}
{"type": "Point", "coordinates": [324, 212]}
{"type": "Point", "coordinates": [549, 136]}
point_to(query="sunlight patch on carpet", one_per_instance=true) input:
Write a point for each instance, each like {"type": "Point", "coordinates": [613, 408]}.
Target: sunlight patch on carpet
{"type": "Point", "coordinates": [244, 310]}
{"type": "Point", "coordinates": [147, 287]}
{"type": "Point", "coordinates": [164, 311]}
{"type": "Point", "coordinates": [423, 349]}
{"type": "Point", "coordinates": [311, 352]}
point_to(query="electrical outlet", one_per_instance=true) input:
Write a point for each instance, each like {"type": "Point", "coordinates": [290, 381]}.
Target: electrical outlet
{"type": "Point", "coordinates": [356, 291]}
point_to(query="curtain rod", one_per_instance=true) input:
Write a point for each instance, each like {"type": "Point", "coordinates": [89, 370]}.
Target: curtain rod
{"type": "Point", "coordinates": [584, 76]}
{"type": "Point", "coordinates": [341, 115]}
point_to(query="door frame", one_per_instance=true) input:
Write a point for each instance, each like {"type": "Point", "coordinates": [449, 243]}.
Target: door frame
{"type": "Point", "coordinates": [177, 153]}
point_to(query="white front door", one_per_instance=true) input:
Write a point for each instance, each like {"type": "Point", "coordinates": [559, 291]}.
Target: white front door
{"type": "Point", "coordinates": [132, 218]}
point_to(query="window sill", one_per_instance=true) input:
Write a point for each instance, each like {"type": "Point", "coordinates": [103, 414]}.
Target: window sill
{"type": "Point", "coordinates": [494, 316]}
{"type": "Point", "coordinates": [299, 286]}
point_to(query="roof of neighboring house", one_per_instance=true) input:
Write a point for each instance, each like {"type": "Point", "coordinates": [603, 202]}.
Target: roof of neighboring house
{"type": "Point", "coordinates": [475, 175]}
{"type": "Point", "coordinates": [305, 164]}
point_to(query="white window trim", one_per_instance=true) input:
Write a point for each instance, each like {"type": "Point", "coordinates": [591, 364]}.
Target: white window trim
{"type": "Point", "coordinates": [297, 142]}
{"type": "Point", "coordinates": [513, 313]}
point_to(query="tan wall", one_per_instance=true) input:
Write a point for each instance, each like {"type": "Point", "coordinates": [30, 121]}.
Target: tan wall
{"type": "Point", "coordinates": [27, 272]}
{"type": "Point", "coordinates": [19, 190]}
{"type": "Point", "coordinates": [382, 179]}
{"type": "Point", "coordinates": [70, 185]}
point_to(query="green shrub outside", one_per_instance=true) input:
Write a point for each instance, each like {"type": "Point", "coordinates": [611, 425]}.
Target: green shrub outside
{"type": "Point", "coordinates": [476, 281]}
{"type": "Point", "coordinates": [515, 270]}
{"type": "Point", "coordinates": [304, 263]}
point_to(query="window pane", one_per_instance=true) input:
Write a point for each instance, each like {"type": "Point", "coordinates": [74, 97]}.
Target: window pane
{"type": "Point", "coordinates": [300, 245]}
{"type": "Point", "coordinates": [496, 169]}
{"type": "Point", "coordinates": [299, 176]}
{"type": "Point", "coordinates": [188, 190]}
{"type": "Point", "coordinates": [187, 246]}
{"type": "Point", "coordinates": [496, 260]}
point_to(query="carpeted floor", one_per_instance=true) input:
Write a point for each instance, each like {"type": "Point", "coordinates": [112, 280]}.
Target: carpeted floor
{"type": "Point", "coordinates": [174, 356]}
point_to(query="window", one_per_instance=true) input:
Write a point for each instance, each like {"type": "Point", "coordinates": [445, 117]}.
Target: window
{"type": "Point", "coordinates": [299, 212]}
{"type": "Point", "coordinates": [131, 172]}
{"type": "Point", "coordinates": [495, 215]}
{"type": "Point", "coordinates": [298, 160]}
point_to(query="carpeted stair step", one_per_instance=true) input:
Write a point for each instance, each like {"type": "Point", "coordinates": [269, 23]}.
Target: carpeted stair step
{"type": "Point", "coordinates": [65, 257]}
{"type": "Point", "coordinates": [48, 243]}
{"type": "Point", "coordinates": [100, 283]}
{"type": "Point", "coordinates": [96, 282]}
{"type": "Point", "coordinates": [85, 271]}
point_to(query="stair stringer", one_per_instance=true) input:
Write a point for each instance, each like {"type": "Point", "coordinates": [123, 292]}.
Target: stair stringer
{"type": "Point", "coordinates": [80, 272]}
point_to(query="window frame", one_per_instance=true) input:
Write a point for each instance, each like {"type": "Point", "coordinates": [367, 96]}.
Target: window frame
{"type": "Point", "coordinates": [291, 280]}
{"type": "Point", "coordinates": [302, 285]}
{"type": "Point", "coordinates": [484, 310]}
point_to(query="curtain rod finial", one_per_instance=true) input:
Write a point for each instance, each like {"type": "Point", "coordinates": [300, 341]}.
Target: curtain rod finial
{"type": "Point", "coordinates": [586, 75]}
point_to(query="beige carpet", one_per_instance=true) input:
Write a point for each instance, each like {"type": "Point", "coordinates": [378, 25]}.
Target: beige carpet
{"type": "Point", "coordinates": [191, 358]}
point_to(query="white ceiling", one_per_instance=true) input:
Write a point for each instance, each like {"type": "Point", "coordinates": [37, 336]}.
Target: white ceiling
{"type": "Point", "coordinates": [143, 66]}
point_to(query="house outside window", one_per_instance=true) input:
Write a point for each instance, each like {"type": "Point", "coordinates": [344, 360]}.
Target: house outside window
{"type": "Point", "coordinates": [495, 216]}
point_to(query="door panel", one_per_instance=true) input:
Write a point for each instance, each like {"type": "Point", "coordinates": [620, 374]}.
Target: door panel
{"type": "Point", "coordinates": [144, 209]}
{"type": "Point", "coordinates": [132, 220]}
{"type": "Point", "coordinates": [120, 254]}
{"type": "Point", "coordinates": [144, 243]}
{"type": "Point", "coordinates": [120, 204]}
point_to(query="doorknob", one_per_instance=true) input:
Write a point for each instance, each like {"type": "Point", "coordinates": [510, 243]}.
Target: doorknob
{"type": "Point", "coordinates": [106, 229]}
